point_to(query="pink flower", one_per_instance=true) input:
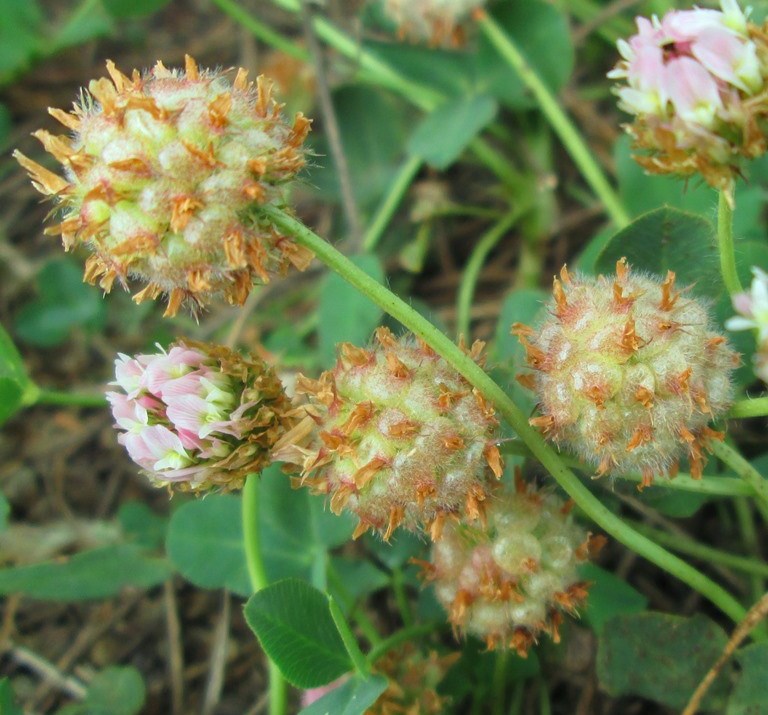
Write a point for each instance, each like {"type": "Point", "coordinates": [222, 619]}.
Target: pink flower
{"type": "Point", "coordinates": [183, 417]}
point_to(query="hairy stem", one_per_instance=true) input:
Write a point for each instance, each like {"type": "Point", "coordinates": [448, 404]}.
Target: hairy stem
{"type": "Point", "coordinates": [72, 399]}
{"type": "Point", "coordinates": [258, 577]}
{"type": "Point", "coordinates": [725, 245]}
{"type": "Point", "coordinates": [564, 128]}
{"type": "Point", "coordinates": [731, 458]}
{"type": "Point", "coordinates": [547, 456]}
{"type": "Point", "coordinates": [755, 407]}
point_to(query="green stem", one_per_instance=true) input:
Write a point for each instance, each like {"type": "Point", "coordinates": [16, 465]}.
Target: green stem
{"type": "Point", "coordinates": [564, 128]}
{"type": "Point", "coordinates": [472, 270]}
{"type": "Point", "coordinates": [467, 367]}
{"type": "Point", "coordinates": [392, 200]}
{"type": "Point", "coordinates": [708, 554]}
{"type": "Point", "coordinates": [72, 399]}
{"type": "Point", "coordinates": [500, 682]}
{"type": "Point", "coordinates": [756, 407]}
{"type": "Point", "coordinates": [357, 613]}
{"type": "Point", "coordinates": [278, 695]}
{"type": "Point", "coordinates": [403, 635]}
{"type": "Point", "coordinates": [746, 521]}
{"type": "Point", "coordinates": [731, 458]}
{"type": "Point", "coordinates": [725, 245]}
{"type": "Point", "coordinates": [349, 640]}
{"type": "Point", "coordinates": [715, 486]}
{"type": "Point", "coordinates": [261, 30]}
{"type": "Point", "coordinates": [401, 597]}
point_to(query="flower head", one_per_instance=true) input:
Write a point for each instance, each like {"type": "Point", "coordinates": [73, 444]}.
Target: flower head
{"type": "Point", "coordinates": [162, 171]}
{"type": "Point", "coordinates": [439, 22]}
{"type": "Point", "coordinates": [694, 82]}
{"type": "Point", "coordinates": [402, 439]}
{"type": "Point", "coordinates": [628, 372]}
{"type": "Point", "coordinates": [198, 416]}
{"type": "Point", "coordinates": [752, 309]}
{"type": "Point", "coordinates": [511, 579]}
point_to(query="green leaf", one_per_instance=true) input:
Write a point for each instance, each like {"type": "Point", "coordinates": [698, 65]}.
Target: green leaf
{"type": "Point", "coordinates": [660, 657]}
{"type": "Point", "coordinates": [353, 697]}
{"type": "Point", "coordinates": [205, 543]}
{"type": "Point", "coordinates": [442, 136]}
{"type": "Point", "coordinates": [344, 314]}
{"type": "Point", "coordinates": [6, 124]}
{"type": "Point", "coordinates": [87, 21]}
{"type": "Point", "coordinates": [98, 573]}
{"type": "Point", "coordinates": [63, 302]}
{"type": "Point", "coordinates": [357, 578]}
{"type": "Point", "coordinates": [750, 695]}
{"type": "Point", "coordinates": [668, 239]}
{"type": "Point", "coordinates": [115, 691]}
{"type": "Point", "coordinates": [609, 596]}
{"type": "Point", "coordinates": [5, 512]}
{"type": "Point", "coordinates": [21, 36]}
{"type": "Point", "coordinates": [294, 625]}
{"type": "Point", "coordinates": [8, 704]}
{"type": "Point", "coordinates": [14, 382]}
{"type": "Point", "coordinates": [296, 528]}
{"type": "Point", "coordinates": [141, 525]}
{"type": "Point", "coordinates": [537, 27]}
{"type": "Point", "coordinates": [123, 9]}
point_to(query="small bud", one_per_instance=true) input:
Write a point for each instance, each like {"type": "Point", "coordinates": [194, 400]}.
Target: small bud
{"type": "Point", "coordinates": [695, 83]}
{"type": "Point", "coordinates": [403, 438]}
{"type": "Point", "coordinates": [509, 580]}
{"type": "Point", "coordinates": [198, 416]}
{"type": "Point", "coordinates": [162, 170]}
{"type": "Point", "coordinates": [630, 375]}
{"type": "Point", "coordinates": [438, 22]}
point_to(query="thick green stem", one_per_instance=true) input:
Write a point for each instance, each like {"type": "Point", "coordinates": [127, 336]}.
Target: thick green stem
{"type": "Point", "coordinates": [258, 576]}
{"type": "Point", "coordinates": [731, 458]}
{"type": "Point", "coordinates": [467, 367]}
{"type": "Point", "coordinates": [72, 399]}
{"type": "Point", "coordinates": [725, 245]}
{"type": "Point", "coordinates": [392, 200]}
{"type": "Point", "coordinates": [564, 128]}
{"type": "Point", "coordinates": [472, 270]}
{"type": "Point", "coordinates": [756, 407]}
{"type": "Point", "coordinates": [349, 640]}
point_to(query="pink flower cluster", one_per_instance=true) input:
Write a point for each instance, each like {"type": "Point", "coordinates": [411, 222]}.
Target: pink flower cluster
{"type": "Point", "coordinates": [752, 309]}
{"type": "Point", "coordinates": [693, 70]}
{"type": "Point", "coordinates": [181, 415]}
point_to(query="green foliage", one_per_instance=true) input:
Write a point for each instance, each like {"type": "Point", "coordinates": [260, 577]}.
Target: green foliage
{"type": "Point", "coordinates": [609, 596]}
{"type": "Point", "coordinates": [750, 695]}
{"type": "Point", "coordinates": [63, 303]}
{"type": "Point", "coordinates": [16, 388]}
{"type": "Point", "coordinates": [98, 573]}
{"type": "Point", "coordinates": [5, 511]}
{"type": "Point", "coordinates": [20, 30]}
{"type": "Point", "coordinates": [296, 529]}
{"type": "Point", "coordinates": [442, 135]}
{"type": "Point", "coordinates": [205, 543]}
{"type": "Point", "coordinates": [660, 657]}
{"type": "Point", "coordinates": [133, 8]}
{"type": "Point", "coordinates": [343, 314]}
{"type": "Point", "coordinates": [294, 625]}
{"type": "Point", "coordinates": [353, 697]}
{"type": "Point", "coordinates": [8, 704]}
{"type": "Point", "coordinates": [141, 525]}
{"type": "Point", "coordinates": [114, 691]}
{"type": "Point", "coordinates": [668, 239]}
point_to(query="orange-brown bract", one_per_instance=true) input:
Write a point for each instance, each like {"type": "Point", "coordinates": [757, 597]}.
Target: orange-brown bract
{"type": "Point", "coordinates": [511, 580]}
{"type": "Point", "coordinates": [629, 372]}
{"type": "Point", "coordinates": [163, 171]}
{"type": "Point", "coordinates": [403, 438]}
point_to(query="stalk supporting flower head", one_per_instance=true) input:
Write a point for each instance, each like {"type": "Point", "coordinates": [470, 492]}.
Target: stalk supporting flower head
{"type": "Point", "coordinates": [628, 372]}
{"type": "Point", "coordinates": [695, 82]}
{"type": "Point", "coordinates": [199, 416]}
{"type": "Point", "coordinates": [439, 22]}
{"type": "Point", "coordinates": [510, 580]}
{"type": "Point", "coordinates": [752, 309]}
{"type": "Point", "coordinates": [161, 170]}
{"type": "Point", "coordinates": [403, 438]}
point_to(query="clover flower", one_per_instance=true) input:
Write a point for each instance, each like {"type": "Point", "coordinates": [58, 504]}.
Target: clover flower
{"type": "Point", "coordinates": [695, 83]}
{"type": "Point", "coordinates": [162, 174]}
{"type": "Point", "coordinates": [439, 22]}
{"type": "Point", "coordinates": [752, 308]}
{"type": "Point", "coordinates": [198, 416]}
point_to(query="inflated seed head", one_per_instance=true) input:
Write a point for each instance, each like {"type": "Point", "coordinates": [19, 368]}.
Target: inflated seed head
{"type": "Point", "coordinates": [403, 438]}
{"type": "Point", "coordinates": [438, 22]}
{"type": "Point", "coordinates": [163, 172]}
{"type": "Point", "coordinates": [199, 416]}
{"type": "Point", "coordinates": [628, 371]}
{"type": "Point", "coordinates": [510, 580]}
